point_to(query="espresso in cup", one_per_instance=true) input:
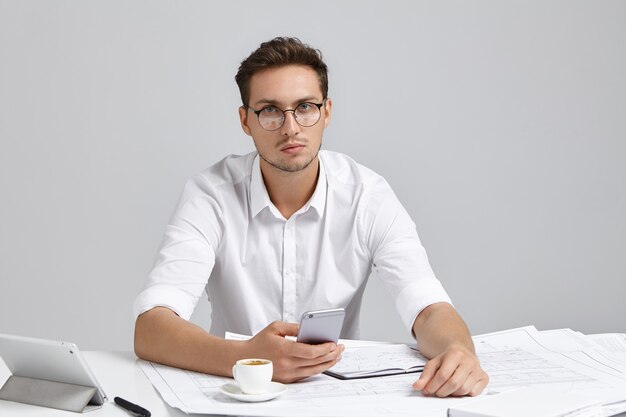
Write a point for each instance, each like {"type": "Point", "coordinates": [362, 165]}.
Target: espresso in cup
{"type": "Point", "coordinates": [253, 375]}
{"type": "Point", "coordinates": [256, 362]}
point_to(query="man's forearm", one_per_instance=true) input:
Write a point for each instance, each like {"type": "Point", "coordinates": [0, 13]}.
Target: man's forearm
{"type": "Point", "coordinates": [453, 368]}
{"type": "Point", "coordinates": [162, 336]}
{"type": "Point", "coordinates": [438, 327]}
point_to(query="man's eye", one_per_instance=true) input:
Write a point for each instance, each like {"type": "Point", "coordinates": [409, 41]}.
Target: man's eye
{"type": "Point", "coordinates": [269, 109]}
{"type": "Point", "coordinates": [304, 106]}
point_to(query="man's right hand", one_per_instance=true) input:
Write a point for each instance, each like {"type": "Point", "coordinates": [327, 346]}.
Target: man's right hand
{"type": "Point", "coordinates": [293, 361]}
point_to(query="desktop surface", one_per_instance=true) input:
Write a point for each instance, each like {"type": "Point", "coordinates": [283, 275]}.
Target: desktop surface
{"type": "Point", "coordinates": [120, 376]}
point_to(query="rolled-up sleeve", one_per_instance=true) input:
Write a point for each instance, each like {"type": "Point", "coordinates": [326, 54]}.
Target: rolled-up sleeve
{"type": "Point", "coordinates": [398, 257]}
{"type": "Point", "coordinates": [187, 254]}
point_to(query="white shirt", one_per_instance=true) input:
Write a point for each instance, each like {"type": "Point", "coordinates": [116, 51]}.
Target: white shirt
{"type": "Point", "coordinates": [226, 236]}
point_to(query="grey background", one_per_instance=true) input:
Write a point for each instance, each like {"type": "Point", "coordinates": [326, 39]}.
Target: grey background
{"type": "Point", "coordinates": [500, 125]}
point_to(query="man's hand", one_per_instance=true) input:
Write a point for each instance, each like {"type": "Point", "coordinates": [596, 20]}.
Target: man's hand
{"type": "Point", "coordinates": [453, 368]}
{"type": "Point", "coordinates": [292, 361]}
{"type": "Point", "coordinates": [455, 372]}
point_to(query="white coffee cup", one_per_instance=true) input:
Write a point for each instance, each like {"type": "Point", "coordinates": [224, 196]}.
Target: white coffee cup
{"type": "Point", "coordinates": [253, 375]}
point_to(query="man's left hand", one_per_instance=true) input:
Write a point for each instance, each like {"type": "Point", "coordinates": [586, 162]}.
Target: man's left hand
{"type": "Point", "coordinates": [456, 372]}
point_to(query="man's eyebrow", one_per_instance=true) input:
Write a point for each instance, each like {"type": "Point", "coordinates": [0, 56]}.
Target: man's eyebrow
{"type": "Point", "coordinates": [277, 103]}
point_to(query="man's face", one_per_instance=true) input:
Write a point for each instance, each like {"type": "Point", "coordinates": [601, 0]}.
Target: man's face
{"type": "Point", "coordinates": [292, 147]}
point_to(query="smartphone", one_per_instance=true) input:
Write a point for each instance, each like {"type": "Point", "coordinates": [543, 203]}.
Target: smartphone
{"type": "Point", "coordinates": [321, 326]}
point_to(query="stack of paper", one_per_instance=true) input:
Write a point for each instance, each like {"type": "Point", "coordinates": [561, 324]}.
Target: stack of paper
{"type": "Point", "coordinates": [558, 361]}
{"type": "Point", "coordinates": [562, 362]}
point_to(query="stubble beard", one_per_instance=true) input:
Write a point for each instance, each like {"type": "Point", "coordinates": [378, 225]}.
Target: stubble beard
{"type": "Point", "coordinates": [290, 167]}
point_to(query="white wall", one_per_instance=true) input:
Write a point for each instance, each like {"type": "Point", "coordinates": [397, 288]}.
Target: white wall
{"type": "Point", "coordinates": [500, 125]}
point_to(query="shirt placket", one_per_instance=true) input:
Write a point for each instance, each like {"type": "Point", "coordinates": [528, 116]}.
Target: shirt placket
{"type": "Point", "coordinates": [289, 270]}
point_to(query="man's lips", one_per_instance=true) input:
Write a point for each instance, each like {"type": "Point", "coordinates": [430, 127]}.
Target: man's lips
{"type": "Point", "coordinates": [291, 148]}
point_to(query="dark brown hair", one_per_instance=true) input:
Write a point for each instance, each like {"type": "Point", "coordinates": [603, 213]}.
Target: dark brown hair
{"type": "Point", "coordinates": [280, 52]}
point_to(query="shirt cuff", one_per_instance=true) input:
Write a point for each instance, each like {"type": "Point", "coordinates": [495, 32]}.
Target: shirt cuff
{"type": "Point", "coordinates": [415, 298]}
{"type": "Point", "coordinates": [179, 301]}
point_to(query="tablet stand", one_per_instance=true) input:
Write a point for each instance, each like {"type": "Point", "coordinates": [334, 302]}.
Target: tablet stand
{"type": "Point", "coordinates": [50, 394]}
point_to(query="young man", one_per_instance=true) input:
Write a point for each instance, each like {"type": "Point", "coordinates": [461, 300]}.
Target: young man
{"type": "Point", "coordinates": [288, 229]}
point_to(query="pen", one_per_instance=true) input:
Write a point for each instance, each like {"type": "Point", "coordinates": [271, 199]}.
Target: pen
{"type": "Point", "coordinates": [133, 408]}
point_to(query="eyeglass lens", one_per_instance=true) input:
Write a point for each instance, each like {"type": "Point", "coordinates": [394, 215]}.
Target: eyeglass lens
{"type": "Point", "coordinates": [272, 118]}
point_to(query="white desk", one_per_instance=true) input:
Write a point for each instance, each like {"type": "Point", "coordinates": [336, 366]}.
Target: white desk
{"type": "Point", "coordinates": [118, 375]}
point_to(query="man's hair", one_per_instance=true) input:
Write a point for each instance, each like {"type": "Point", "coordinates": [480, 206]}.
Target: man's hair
{"type": "Point", "coordinates": [280, 52]}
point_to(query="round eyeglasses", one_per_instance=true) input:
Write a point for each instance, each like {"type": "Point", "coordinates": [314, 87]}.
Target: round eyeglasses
{"type": "Point", "coordinates": [305, 114]}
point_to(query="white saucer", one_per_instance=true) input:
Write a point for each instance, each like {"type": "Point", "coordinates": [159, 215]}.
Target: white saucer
{"type": "Point", "coordinates": [233, 391]}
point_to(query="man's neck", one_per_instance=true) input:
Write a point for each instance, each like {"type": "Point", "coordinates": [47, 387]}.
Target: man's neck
{"type": "Point", "coordinates": [290, 191]}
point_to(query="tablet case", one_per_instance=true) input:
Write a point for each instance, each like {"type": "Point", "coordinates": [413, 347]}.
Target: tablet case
{"type": "Point", "coordinates": [48, 373]}
{"type": "Point", "coordinates": [51, 394]}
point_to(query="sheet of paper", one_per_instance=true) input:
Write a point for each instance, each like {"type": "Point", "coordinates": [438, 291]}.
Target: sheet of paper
{"type": "Point", "coordinates": [584, 350]}
{"type": "Point", "coordinates": [612, 342]}
{"type": "Point", "coordinates": [612, 409]}
{"type": "Point", "coordinates": [565, 340]}
{"type": "Point", "coordinates": [530, 402]}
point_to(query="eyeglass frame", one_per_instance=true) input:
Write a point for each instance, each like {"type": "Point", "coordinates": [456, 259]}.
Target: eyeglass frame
{"type": "Point", "coordinates": [318, 105]}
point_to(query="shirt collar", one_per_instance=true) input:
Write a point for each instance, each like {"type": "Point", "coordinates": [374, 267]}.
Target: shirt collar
{"type": "Point", "coordinates": [259, 198]}
{"type": "Point", "coordinates": [318, 199]}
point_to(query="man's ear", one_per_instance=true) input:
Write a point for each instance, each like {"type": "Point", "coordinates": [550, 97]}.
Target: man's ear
{"type": "Point", "coordinates": [243, 118]}
{"type": "Point", "coordinates": [328, 112]}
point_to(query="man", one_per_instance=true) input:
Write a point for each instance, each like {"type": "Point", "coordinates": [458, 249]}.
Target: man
{"type": "Point", "coordinates": [289, 229]}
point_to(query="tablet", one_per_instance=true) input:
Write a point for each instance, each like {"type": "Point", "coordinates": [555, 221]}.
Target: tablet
{"type": "Point", "coordinates": [49, 360]}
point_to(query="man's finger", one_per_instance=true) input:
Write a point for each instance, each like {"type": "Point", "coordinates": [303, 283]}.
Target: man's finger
{"type": "Point", "coordinates": [473, 386]}
{"type": "Point", "coordinates": [465, 388]}
{"type": "Point", "coordinates": [444, 372]}
{"type": "Point", "coordinates": [458, 382]}
{"type": "Point", "coordinates": [295, 373]}
{"type": "Point", "coordinates": [479, 387]}
{"type": "Point", "coordinates": [330, 356]}
{"type": "Point", "coordinates": [319, 368]}
{"type": "Point", "coordinates": [429, 371]}
{"type": "Point", "coordinates": [306, 351]}
{"type": "Point", "coordinates": [282, 328]}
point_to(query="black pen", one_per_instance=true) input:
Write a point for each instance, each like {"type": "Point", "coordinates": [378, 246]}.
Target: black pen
{"type": "Point", "coordinates": [133, 408]}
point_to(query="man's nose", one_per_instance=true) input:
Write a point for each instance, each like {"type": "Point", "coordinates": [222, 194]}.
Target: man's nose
{"type": "Point", "coordinates": [290, 127]}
